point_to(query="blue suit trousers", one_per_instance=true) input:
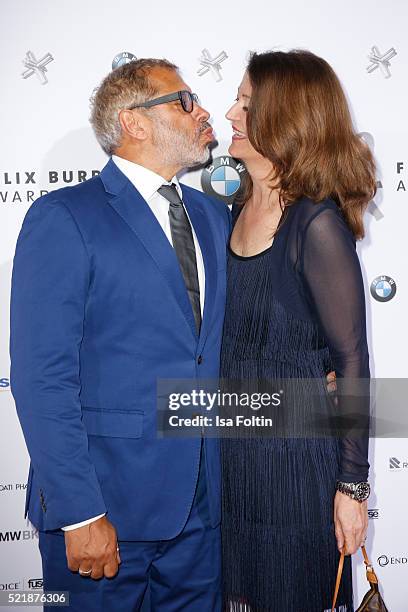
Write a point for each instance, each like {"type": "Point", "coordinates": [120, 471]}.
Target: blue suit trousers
{"type": "Point", "coordinates": [182, 574]}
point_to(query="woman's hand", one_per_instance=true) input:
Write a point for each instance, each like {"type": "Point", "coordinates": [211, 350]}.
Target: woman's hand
{"type": "Point", "coordinates": [350, 523]}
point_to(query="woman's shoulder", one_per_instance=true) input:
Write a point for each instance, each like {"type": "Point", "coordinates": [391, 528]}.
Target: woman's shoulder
{"type": "Point", "coordinates": [309, 211]}
{"type": "Point", "coordinates": [319, 220]}
{"type": "Point", "coordinates": [306, 207]}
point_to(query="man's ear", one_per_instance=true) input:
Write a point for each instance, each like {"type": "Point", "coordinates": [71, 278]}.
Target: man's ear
{"type": "Point", "coordinates": [133, 124]}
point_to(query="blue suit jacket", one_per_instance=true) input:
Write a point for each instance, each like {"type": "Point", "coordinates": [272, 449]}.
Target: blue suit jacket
{"type": "Point", "coordinates": [99, 312]}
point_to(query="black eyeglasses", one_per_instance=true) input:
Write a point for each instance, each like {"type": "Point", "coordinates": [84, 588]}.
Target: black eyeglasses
{"type": "Point", "coordinates": [186, 98]}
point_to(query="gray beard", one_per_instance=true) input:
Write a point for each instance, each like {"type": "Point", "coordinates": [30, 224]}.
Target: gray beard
{"type": "Point", "coordinates": [177, 148]}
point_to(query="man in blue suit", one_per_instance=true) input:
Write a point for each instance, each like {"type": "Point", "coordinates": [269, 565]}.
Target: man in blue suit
{"type": "Point", "coordinates": [119, 282]}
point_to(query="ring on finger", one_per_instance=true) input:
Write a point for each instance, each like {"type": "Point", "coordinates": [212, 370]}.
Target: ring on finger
{"type": "Point", "coordinates": [85, 572]}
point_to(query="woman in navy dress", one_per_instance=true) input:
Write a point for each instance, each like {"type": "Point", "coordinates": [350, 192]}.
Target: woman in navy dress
{"type": "Point", "coordinates": [295, 310]}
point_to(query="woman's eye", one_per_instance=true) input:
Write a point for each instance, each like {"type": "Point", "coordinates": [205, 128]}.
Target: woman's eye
{"type": "Point", "coordinates": [244, 108]}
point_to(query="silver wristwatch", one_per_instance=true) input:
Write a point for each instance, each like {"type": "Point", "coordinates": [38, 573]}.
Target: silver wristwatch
{"type": "Point", "coordinates": [356, 490]}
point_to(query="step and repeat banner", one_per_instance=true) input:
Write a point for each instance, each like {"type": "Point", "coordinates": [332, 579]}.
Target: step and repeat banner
{"type": "Point", "coordinates": [55, 53]}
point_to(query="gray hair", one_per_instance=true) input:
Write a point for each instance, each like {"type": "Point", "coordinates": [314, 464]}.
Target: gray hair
{"type": "Point", "coordinates": [123, 87]}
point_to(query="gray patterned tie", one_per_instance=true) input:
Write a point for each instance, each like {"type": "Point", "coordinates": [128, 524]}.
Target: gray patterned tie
{"type": "Point", "coordinates": [183, 243]}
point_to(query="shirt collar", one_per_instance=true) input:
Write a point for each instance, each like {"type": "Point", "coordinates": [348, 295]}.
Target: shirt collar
{"type": "Point", "coordinates": [146, 181]}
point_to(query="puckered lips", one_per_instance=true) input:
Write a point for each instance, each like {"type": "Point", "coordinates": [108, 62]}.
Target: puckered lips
{"type": "Point", "coordinates": [207, 131]}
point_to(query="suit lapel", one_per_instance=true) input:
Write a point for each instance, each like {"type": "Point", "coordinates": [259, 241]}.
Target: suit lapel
{"type": "Point", "coordinates": [135, 211]}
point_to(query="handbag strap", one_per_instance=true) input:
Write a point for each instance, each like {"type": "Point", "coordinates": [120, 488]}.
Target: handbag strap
{"type": "Point", "coordinates": [370, 573]}
{"type": "Point", "coordinates": [338, 579]}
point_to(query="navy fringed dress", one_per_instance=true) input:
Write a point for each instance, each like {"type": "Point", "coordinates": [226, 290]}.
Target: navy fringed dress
{"type": "Point", "coordinates": [296, 310]}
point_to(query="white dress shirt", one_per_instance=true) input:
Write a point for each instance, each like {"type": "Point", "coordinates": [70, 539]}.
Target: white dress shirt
{"type": "Point", "coordinates": [147, 183]}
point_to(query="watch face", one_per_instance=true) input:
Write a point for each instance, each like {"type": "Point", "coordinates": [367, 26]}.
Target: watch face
{"type": "Point", "coordinates": [362, 491]}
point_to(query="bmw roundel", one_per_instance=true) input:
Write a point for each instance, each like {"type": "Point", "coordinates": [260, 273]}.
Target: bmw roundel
{"type": "Point", "coordinates": [122, 58]}
{"type": "Point", "coordinates": [221, 178]}
{"type": "Point", "coordinates": [383, 288]}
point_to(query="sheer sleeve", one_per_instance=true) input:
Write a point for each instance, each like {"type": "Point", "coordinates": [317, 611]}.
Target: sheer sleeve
{"type": "Point", "coordinates": [332, 276]}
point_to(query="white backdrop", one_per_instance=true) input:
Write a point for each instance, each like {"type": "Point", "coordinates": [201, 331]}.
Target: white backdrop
{"type": "Point", "coordinates": [44, 128]}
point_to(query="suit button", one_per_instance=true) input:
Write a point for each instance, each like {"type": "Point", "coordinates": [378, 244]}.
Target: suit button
{"type": "Point", "coordinates": [200, 360]}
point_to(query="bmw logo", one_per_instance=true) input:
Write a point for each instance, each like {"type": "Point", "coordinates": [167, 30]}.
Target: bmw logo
{"type": "Point", "coordinates": [222, 178]}
{"type": "Point", "coordinates": [122, 58]}
{"type": "Point", "coordinates": [383, 288]}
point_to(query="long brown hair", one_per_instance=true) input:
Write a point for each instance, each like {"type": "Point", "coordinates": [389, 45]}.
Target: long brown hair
{"type": "Point", "coordinates": [298, 118]}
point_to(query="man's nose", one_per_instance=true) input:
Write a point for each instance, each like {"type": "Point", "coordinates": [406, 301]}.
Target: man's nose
{"type": "Point", "coordinates": [200, 113]}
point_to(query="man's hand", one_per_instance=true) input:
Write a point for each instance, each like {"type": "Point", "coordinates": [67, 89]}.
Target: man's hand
{"type": "Point", "coordinates": [350, 523]}
{"type": "Point", "coordinates": [93, 550]}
